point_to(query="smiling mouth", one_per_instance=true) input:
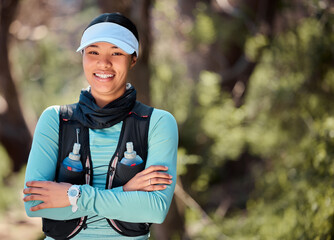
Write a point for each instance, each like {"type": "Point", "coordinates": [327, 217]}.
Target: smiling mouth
{"type": "Point", "coordinates": [104, 76]}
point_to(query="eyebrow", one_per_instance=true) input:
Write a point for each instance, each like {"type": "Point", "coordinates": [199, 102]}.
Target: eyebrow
{"type": "Point", "coordinates": [96, 46]}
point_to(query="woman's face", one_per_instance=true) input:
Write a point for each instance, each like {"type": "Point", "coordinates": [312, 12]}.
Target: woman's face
{"type": "Point", "coordinates": [106, 69]}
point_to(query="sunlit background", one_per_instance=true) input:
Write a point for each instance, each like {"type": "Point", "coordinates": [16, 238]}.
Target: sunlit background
{"type": "Point", "coordinates": [250, 83]}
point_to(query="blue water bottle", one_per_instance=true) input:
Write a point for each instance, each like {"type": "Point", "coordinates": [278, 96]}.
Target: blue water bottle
{"type": "Point", "coordinates": [72, 162]}
{"type": "Point", "coordinates": [130, 156]}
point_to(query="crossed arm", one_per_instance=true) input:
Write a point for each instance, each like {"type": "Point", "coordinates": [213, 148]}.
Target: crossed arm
{"type": "Point", "coordinates": [54, 195]}
{"type": "Point", "coordinates": [149, 198]}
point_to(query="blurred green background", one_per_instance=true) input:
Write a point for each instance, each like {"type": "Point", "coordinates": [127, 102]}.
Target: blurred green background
{"type": "Point", "coordinates": [250, 83]}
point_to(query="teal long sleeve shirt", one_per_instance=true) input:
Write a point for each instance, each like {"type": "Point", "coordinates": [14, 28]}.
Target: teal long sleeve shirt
{"type": "Point", "coordinates": [134, 206]}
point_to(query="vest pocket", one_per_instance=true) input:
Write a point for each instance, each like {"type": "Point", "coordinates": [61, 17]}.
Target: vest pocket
{"type": "Point", "coordinates": [130, 229]}
{"type": "Point", "coordinates": [68, 176]}
{"type": "Point", "coordinates": [59, 229]}
{"type": "Point", "coordinates": [124, 173]}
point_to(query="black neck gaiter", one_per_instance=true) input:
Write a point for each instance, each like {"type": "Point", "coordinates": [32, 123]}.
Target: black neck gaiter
{"type": "Point", "coordinates": [92, 116]}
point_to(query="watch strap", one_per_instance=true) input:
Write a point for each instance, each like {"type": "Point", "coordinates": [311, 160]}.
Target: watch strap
{"type": "Point", "coordinates": [74, 199]}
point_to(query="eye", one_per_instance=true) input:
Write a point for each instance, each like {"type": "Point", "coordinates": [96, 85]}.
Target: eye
{"type": "Point", "coordinates": [93, 53]}
{"type": "Point", "coordinates": [117, 54]}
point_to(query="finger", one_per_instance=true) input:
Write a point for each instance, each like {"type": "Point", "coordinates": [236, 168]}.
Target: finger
{"type": "Point", "coordinates": [159, 175]}
{"type": "Point", "coordinates": [154, 181]}
{"type": "Point", "coordinates": [37, 184]}
{"type": "Point", "coordinates": [152, 188]}
{"type": "Point", "coordinates": [39, 207]}
{"type": "Point", "coordinates": [33, 190]}
{"type": "Point", "coordinates": [33, 198]}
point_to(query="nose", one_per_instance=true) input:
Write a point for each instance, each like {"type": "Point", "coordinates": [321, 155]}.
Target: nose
{"type": "Point", "coordinates": [104, 62]}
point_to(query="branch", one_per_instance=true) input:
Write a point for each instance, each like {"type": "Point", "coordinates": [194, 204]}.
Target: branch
{"type": "Point", "coordinates": [191, 203]}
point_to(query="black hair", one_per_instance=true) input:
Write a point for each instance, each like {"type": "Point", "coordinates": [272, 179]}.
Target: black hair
{"type": "Point", "coordinates": [116, 18]}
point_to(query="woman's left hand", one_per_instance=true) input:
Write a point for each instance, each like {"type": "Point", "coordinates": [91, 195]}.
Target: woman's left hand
{"type": "Point", "coordinates": [52, 194]}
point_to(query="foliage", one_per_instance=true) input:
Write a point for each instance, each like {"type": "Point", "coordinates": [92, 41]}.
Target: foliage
{"type": "Point", "coordinates": [48, 67]}
{"type": "Point", "coordinates": [10, 184]}
{"type": "Point", "coordinates": [287, 121]}
{"type": "Point", "coordinates": [294, 197]}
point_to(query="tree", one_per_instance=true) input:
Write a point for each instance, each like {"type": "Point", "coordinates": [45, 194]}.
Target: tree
{"type": "Point", "coordinates": [14, 133]}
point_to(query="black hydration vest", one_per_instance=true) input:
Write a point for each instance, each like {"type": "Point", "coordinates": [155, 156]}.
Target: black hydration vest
{"type": "Point", "coordinates": [134, 129]}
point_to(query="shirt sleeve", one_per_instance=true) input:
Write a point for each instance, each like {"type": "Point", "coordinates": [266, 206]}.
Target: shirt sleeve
{"type": "Point", "coordinates": [148, 206]}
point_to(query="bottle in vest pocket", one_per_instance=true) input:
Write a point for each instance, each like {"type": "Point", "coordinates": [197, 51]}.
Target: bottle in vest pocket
{"type": "Point", "coordinates": [72, 162]}
{"type": "Point", "coordinates": [130, 156]}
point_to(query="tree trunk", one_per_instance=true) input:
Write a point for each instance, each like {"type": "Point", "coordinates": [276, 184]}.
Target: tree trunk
{"type": "Point", "coordinates": [14, 133]}
{"type": "Point", "coordinates": [139, 12]}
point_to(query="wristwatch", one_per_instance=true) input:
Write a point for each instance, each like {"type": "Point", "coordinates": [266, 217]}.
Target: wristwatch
{"type": "Point", "coordinates": [73, 194]}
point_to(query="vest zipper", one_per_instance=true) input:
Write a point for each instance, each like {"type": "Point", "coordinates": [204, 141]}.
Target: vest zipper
{"type": "Point", "coordinates": [82, 220]}
{"type": "Point", "coordinates": [111, 175]}
{"type": "Point", "coordinates": [88, 171]}
{"type": "Point", "coordinates": [112, 171]}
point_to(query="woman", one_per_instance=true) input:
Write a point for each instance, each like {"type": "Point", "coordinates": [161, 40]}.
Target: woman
{"type": "Point", "coordinates": [109, 48]}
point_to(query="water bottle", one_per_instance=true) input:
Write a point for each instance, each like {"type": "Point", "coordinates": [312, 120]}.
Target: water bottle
{"type": "Point", "coordinates": [130, 156]}
{"type": "Point", "coordinates": [72, 162]}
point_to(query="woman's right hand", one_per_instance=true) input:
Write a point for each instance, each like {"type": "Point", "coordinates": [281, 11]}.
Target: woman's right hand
{"type": "Point", "coordinates": [153, 178]}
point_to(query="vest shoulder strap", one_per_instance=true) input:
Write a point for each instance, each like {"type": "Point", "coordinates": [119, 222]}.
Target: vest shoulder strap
{"type": "Point", "coordinates": [68, 136]}
{"type": "Point", "coordinates": [136, 128]}
{"type": "Point", "coordinates": [66, 111]}
{"type": "Point", "coordinates": [142, 110]}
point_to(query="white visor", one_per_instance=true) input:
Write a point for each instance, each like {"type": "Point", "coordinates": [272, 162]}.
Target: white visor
{"type": "Point", "coordinates": [111, 33]}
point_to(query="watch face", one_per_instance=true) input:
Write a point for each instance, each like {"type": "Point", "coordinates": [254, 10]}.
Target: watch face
{"type": "Point", "coordinates": [73, 192]}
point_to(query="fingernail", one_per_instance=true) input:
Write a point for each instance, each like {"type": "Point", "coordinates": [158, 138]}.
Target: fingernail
{"type": "Point", "coordinates": [170, 181]}
{"type": "Point", "coordinates": [170, 176]}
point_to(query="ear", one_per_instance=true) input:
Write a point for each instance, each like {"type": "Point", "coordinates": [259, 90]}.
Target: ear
{"type": "Point", "coordinates": [133, 61]}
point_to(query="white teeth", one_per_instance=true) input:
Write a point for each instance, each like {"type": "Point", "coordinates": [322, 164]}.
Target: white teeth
{"type": "Point", "coordinates": [104, 75]}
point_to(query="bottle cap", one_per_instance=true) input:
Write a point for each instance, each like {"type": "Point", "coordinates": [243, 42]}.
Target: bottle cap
{"type": "Point", "coordinates": [76, 148]}
{"type": "Point", "coordinates": [129, 147]}
{"type": "Point", "coordinates": [130, 153]}
{"type": "Point", "coordinates": [74, 155]}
